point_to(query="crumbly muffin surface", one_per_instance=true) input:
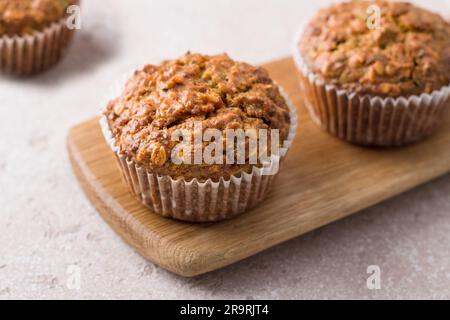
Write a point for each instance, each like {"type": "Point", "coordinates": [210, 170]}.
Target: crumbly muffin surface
{"type": "Point", "coordinates": [215, 91]}
{"type": "Point", "coordinates": [21, 17]}
{"type": "Point", "coordinates": [408, 55]}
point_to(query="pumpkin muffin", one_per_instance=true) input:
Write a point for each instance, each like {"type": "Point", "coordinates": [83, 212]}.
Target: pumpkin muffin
{"type": "Point", "coordinates": [33, 34]}
{"type": "Point", "coordinates": [190, 94]}
{"type": "Point", "coordinates": [382, 83]}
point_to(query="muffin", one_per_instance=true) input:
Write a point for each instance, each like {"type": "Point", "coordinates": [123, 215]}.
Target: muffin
{"type": "Point", "coordinates": [33, 34]}
{"type": "Point", "coordinates": [376, 85]}
{"type": "Point", "coordinates": [197, 94]}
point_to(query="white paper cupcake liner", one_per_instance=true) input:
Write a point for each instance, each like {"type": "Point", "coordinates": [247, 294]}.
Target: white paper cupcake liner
{"type": "Point", "coordinates": [34, 53]}
{"type": "Point", "coordinates": [370, 120]}
{"type": "Point", "coordinates": [201, 201]}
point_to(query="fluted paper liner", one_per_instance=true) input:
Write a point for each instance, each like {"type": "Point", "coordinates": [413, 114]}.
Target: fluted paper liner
{"type": "Point", "coordinates": [34, 53]}
{"type": "Point", "coordinates": [198, 201]}
{"type": "Point", "coordinates": [370, 120]}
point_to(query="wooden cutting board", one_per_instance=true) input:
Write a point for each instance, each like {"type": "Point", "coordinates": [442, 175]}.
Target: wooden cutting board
{"type": "Point", "coordinates": [322, 180]}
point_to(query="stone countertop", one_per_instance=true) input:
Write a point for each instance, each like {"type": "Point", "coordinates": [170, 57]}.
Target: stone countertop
{"type": "Point", "coordinates": [50, 232]}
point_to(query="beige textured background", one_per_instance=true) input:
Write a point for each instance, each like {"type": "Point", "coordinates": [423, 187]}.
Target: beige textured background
{"type": "Point", "coordinates": [47, 224]}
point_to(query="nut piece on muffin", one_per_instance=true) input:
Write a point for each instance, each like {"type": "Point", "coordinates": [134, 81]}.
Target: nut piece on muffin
{"type": "Point", "coordinates": [407, 54]}
{"type": "Point", "coordinates": [215, 92]}
{"type": "Point", "coordinates": [33, 34]}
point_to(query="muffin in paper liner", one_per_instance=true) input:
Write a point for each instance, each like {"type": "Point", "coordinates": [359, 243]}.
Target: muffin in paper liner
{"type": "Point", "coordinates": [370, 120]}
{"type": "Point", "coordinates": [201, 201]}
{"type": "Point", "coordinates": [36, 52]}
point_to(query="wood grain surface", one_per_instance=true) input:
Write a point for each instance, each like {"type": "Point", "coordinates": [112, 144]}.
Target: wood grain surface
{"type": "Point", "coordinates": [322, 180]}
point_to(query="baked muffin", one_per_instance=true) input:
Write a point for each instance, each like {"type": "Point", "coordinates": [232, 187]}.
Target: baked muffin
{"type": "Point", "coordinates": [383, 85]}
{"type": "Point", "coordinates": [194, 94]}
{"type": "Point", "coordinates": [33, 34]}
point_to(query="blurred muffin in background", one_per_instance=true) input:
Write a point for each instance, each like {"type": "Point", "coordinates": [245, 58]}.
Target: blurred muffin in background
{"type": "Point", "coordinates": [376, 72]}
{"type": "Point", "coordinates": [33, 34]}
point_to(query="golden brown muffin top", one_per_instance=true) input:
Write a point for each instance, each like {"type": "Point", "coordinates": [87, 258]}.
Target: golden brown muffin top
{"type": "Point", "coordinates": [408, 55]}
{"type": "Point", "coordinates": [215, 91]}
{"type": "Point", "coordinates": [21, 17]}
